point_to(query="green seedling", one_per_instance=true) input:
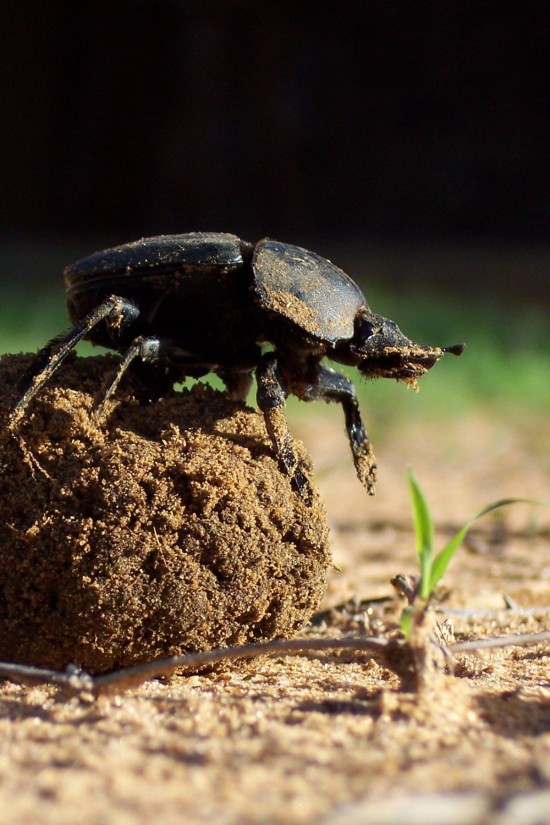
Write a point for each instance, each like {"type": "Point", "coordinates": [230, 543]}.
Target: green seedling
{"type": "Point", "coordinates": [434, 565]}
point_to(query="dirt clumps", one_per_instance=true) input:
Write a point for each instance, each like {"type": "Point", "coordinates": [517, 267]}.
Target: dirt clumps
{"type": "Point", "coordinates": [167, 528]}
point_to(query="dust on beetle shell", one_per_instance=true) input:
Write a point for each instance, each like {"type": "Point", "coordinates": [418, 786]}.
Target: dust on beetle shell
{"type": "Point", "coordinates": [167, 528]}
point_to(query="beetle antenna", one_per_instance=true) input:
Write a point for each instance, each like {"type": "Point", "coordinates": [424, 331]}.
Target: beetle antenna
{"type": "Point", "coordinates": [455, 349]}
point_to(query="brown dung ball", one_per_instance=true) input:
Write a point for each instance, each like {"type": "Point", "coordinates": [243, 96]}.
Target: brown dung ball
{"type": "Point", "coordinates": [166, 529]}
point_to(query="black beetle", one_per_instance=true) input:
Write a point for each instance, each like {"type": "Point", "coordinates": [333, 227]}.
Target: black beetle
{"type": "Point", "coordinates": [206, 302]}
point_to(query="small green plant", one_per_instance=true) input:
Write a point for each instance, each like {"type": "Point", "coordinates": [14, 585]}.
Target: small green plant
{"type": "Point", "coordinates": [434, 565]}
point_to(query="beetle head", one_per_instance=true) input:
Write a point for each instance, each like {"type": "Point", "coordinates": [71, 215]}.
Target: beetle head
{"type": "Point", "coordinates": [382, 350]}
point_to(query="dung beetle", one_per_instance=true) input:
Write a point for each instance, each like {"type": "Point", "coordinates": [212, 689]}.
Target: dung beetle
{"type": "Point", "coordinates": [206, 302]}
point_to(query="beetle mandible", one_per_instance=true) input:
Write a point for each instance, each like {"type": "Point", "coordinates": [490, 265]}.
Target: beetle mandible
{"type": "Point", "coordinates": [206, 302]}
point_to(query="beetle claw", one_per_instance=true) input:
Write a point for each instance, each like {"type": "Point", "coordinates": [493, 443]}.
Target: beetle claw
{"type": "Point", "coordinates": [366, 467]}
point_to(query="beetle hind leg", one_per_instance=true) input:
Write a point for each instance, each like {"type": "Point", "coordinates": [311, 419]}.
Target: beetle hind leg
{"type": "Point", "coordinates": [147, 349]}
{"type": "Point", "coordinates": [118, 312]}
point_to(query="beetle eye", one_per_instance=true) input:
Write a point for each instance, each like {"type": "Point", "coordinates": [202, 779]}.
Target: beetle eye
{"type": "Point", "coordinates": [365, 329]}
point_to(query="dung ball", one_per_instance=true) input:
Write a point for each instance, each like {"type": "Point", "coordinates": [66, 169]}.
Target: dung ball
{"type": "Point", "coordinates": [167, 528]}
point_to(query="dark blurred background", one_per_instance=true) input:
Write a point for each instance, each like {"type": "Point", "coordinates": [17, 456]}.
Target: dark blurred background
{"type": "Point", "coordinates": [367, 130]}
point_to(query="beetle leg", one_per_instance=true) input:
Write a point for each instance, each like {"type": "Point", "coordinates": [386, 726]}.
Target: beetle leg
{"type": "Point", "coordinates": [118, 312]}
{"type": "Point", "coordinates": [271, 398]}
{"type": "Point", "coordinates": [331, 385]}
{"type": "Point", "coordinates": [148, 349]}
{"type": "Point", "coordinates": [238, 383]}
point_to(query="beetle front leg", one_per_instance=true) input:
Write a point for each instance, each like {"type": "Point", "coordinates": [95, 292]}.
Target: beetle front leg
{"type": "Point", "coordinates": [271, 398]}
{"type": "Point", "coordinates": [332, 386]}
{"type": "Point", "coordinates": [118, 312]}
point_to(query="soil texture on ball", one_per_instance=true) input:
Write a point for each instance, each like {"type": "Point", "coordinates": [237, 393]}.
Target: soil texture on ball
{"type": "Point", "coordinates": [167, 527]}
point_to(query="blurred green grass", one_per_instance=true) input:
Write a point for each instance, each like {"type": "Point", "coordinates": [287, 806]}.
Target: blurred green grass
{"type": "Point", "coordinates": [505, 366]}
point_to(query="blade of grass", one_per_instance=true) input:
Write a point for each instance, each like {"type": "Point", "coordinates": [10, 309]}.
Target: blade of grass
{"type": "Point", "coordinates": [424, 533]}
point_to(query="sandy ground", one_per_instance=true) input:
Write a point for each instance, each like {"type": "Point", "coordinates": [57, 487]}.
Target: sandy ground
{"type": "Point", "coordinates": [332, 738]}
